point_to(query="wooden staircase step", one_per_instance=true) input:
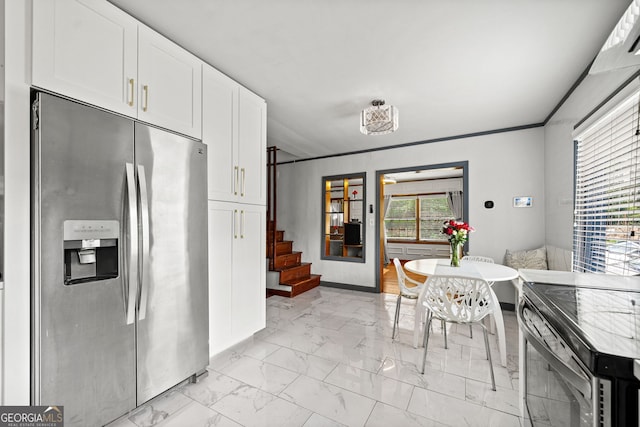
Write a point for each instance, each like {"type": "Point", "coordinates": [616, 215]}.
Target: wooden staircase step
{"type": "Point", "coordinates": [296, 272]}
{"type": "Point", "coordinates": [297, 288]}
{"type": "Point", "coordinates": [287, 260]}
{"type": "Point", "coordinates": [279, 236]}
{"type": "Point", "coordinates": [297, 280]}
{"type": "Point", "coordinates": [304, 285]}
{"type": "Point", "coordinates": [294, 276]}
{"type": "Point", "coordinates": [282, 248]}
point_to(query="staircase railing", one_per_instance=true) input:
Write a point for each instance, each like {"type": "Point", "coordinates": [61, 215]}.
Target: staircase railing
{"type": "Point", "coordinates": [272, 202]}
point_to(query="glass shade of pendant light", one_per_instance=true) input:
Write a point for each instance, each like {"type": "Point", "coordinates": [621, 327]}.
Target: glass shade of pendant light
{"type": "Point", "coordinates": [379, 119]}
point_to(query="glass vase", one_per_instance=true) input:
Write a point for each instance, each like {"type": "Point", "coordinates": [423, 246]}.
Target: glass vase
{"type": "Point", "coordinates": [455, 254]}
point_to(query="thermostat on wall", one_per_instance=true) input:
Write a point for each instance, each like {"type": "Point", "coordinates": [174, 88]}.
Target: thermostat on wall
{"type": "Point", "coordinates": [522, 202]}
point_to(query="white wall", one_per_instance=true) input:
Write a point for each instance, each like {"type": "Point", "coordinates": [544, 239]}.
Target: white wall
{"type": "Point", "coordinates": [501, 166]}
{"type": "Point", "coordinates": [559, 154]}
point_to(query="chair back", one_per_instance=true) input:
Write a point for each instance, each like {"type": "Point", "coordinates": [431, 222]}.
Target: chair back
{"type": "Point", "coordinates": [403, 279]}
{"type": "Point", "coordinates": [458, 299]}
{"type": "Point", "coordinates": [478, 258]}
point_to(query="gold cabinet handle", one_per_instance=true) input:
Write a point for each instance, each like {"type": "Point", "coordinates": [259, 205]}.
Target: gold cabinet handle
{"type": "Point", "coordinates": [242, 224]}
{"type": "Point", "coordinates": [145, 90]}
{"type": "Point", "coordinates": [235, 224]}
{"type": "Point", "coordinates": [242, 188]}
{"type": "Point", "coordinates": [131, 91]}
{"type": "Point", "coordinates": [235, 184]}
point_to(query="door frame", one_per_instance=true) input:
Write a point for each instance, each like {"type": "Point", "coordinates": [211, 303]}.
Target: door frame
{"type": "Point", "coordinates": [379, 194]}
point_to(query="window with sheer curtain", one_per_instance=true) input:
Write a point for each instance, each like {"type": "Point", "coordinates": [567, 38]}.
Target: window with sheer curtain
{"type": "Point", "coordinates": [607, 196]}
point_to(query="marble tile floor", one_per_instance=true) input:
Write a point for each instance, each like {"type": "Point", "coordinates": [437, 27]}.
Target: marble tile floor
{"type": "Point", "coordinates": [326, 359]}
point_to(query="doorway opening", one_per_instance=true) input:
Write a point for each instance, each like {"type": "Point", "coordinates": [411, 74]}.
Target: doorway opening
{"type": "Point", "coordinates": [413, 203]}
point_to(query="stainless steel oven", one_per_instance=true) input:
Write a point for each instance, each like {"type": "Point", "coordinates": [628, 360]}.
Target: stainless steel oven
{"type": "Point", "coordinates": [580, 338]}
{"type": "Point", "coordinates": [559, 390]}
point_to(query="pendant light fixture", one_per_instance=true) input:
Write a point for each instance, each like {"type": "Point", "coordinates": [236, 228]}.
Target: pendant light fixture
{"type": "Point", "coordinates": [379, 119]}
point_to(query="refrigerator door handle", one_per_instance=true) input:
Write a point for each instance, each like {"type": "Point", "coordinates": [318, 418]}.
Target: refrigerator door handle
{"type": "Point", "coordinates": [144, 222]}
{"type": "Point", "coordinates": [132, 265]}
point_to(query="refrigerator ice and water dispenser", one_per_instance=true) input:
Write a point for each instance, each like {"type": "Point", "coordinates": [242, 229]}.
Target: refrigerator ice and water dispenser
{"type": "Point", "coordinates": [90, 251]}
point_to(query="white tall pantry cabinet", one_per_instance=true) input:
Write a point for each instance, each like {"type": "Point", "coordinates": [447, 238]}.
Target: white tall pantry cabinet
{"type": "Point", "coordinates": [234, 129]}
{"type": "Point", "coordinates": [236, 273]}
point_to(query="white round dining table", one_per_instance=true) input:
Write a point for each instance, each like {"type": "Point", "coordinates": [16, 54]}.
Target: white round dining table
{"type": "Point", "coordinates": [476, 269]}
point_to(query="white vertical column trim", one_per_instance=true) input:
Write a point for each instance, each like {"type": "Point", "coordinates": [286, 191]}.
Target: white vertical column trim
{"type": "Point", "coordinates": [16, 320]}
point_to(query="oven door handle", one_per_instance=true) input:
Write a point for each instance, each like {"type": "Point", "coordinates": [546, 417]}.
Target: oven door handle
{"type": "Point", "coordinates": [576, 379]}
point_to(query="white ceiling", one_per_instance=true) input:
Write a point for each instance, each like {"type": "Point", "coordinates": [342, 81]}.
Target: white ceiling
{"type": "Point", "coordinates": [451, 67]}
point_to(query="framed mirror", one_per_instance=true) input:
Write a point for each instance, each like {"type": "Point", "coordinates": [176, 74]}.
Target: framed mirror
{"type": "Point", "coordinates": [343, 222]}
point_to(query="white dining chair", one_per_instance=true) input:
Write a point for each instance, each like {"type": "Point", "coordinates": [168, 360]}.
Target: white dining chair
{"type": "Point", "coordinates": [405, 291]}
{"type": "Point", "coordinates": [477, 258]}
{"type": "Point", "coordinates": [480, 258]}
{"type": "Point", "coordinates": [461, 300]}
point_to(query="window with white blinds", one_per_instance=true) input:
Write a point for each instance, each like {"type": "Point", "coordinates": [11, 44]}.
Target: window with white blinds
{"type": "Point", "coordinates": [607, 196]}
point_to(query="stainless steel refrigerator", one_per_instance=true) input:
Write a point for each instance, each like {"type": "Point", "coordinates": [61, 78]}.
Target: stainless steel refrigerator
{"type": "Point", "coordinates": [119, 259]}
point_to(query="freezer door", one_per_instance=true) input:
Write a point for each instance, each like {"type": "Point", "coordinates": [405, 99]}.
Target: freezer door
{"type": "Point", "coordinates": [83, 349]}
{"type": "Point", "coordinates": [173, 308]}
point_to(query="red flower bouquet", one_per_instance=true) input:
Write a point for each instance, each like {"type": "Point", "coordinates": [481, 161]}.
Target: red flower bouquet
{"type": "Point", "coordinates": [458, 232]}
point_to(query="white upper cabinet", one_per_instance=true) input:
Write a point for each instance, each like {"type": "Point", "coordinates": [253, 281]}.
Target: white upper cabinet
{"type": "Point", "coordinates": [234, 128]}
{"type": "Point", "coordinates": [170, 84]}
{"type": "Point", "coordinates": [87, 50]}
{"type": "Point", "coordinates": [252, 146]}
{"type": "Point", "coordinates": [219, 132]}
{"type": "Point", "coordinates": [92, 51]}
